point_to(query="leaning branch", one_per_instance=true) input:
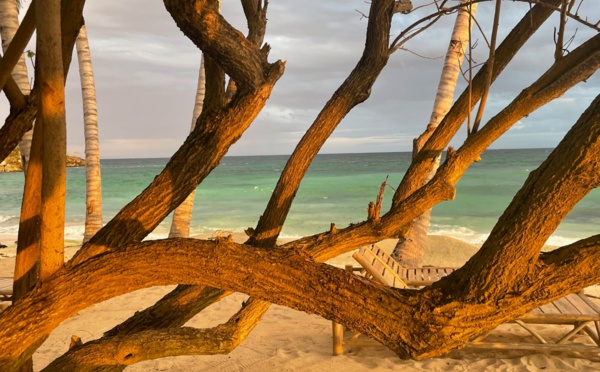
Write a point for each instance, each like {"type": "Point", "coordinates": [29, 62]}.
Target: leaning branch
{"type": "Point", "coordinates": [421, 166]}
{"type": "Point", "coordinates": [570, 172]}
{"type": "Point", "coordinates": [205, 27]}
{"type": "Point", "coordinates": [127, 349]}
{"type": "Point", "coordinates": [563, 75]}
{"type": "Point", "coordinates": [400, 319]}
{"type": "Point", "coordinates": [354, 90]}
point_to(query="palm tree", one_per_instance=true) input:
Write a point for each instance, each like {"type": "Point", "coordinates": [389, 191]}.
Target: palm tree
{"type": "Point", "coordinates": [9, 23]}
{"type": "Point", "coordinates": [93, 184]}
{"type": "Point", "coordinates": [180, 227]}
{"type": "Point", "coordinates": [410, 249]}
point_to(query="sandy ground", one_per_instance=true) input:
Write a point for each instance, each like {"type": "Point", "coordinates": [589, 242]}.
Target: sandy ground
{"type": "Point", "coordinates": [289, 340]}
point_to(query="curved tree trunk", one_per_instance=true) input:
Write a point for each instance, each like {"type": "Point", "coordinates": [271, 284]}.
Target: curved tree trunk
{"type": "Point", "coordinates": [93, 179]}
{"type": "Point", "coordinates": [410, 249]}
{"type": "Point", "coordinates": [9, 23]}
{"type": "Point", "coordinates": [182, 216]}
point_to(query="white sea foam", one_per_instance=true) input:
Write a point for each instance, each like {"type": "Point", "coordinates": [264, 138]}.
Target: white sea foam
{"type": "Point", "coordinates": [6, 218]}
{"type": "Point", "coordinates": [471, 236]}
{"type": "Point", "coordinates": [459, 232]}
{"type": "Point", "coordinates": [560, 241]}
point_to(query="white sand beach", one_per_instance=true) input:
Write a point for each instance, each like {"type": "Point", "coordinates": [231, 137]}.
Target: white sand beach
{"type": "Point", "coordinates": [289, 340]}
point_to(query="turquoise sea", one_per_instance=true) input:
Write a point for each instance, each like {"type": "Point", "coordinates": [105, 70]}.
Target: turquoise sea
{"type": "Point", "coordinates": [337, 188]}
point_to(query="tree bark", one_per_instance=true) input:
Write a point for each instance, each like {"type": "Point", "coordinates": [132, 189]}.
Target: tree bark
{"type": "Point", "coordinates": [51, 116]}
{"type": "Point", "coordinates": [562, 75]}
{"type": "Point", "coordinates": [413, 324]}
{"type": "Point", "coordinates": [354, 90]}
{"type": "Point", "coordinates": [203, 149]}
{"type": "Point", "coordinates": [115, 353]}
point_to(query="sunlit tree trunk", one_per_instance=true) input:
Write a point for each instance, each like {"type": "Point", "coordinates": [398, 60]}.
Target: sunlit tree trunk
{"type": "Point", "coordinates": [51, 116]}
{"type": "Point", "coordinates": [410, 249]}
{"type": "Point", "coordinates": [182, 216]}
{"type": "Point", "coordinates": [9, 23]}
{"type": "Point", "coordinates": [93, 180]}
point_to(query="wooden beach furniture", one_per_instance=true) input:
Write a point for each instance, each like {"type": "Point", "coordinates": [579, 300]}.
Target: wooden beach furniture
{"type": "Point", "coordinates": [6, 289]}
{"type": "Point", "coordinates": [575, 309]}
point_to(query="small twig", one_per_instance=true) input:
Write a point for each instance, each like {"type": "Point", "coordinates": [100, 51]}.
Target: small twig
{"type": "Point", "coordinates": [490, 69]}
{"type": "Point", "coordinates": [471, 46]}
{"type": "Point", "coordinates": [419, 55]}
{"type": "Point", "coordinates": [362, 15]}
{"type": "Point", "coordinates": [560, 35]}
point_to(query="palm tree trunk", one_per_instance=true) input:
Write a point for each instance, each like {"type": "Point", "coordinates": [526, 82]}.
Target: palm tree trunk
{"type": "Point", "coordinates": [93, 180]}
{"type": "Point", "coordinates": [180, 227]}
{"type": "Point", "coordinates": [410, 249]}
{"type": "Point", "coordinates": [9, 23]}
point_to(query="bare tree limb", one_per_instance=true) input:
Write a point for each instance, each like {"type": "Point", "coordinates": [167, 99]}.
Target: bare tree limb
{"type": "Point", "coordinates": [354, 90]}
{"type": "Point", "coordinates": [238, 56]}
{"type": "Point", "coordinates": [420, 168]}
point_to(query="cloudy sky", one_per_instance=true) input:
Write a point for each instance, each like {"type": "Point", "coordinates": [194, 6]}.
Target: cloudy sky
{"type": "Point", "coordinates": [146, 72]}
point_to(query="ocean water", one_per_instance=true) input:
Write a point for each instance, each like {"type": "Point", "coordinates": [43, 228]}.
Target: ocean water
{"type": "Point", "coordinates": [337, 188]}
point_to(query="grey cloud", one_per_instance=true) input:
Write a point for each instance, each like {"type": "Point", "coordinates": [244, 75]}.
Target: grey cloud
{"type": "Point", "coordinates": [146, 72]}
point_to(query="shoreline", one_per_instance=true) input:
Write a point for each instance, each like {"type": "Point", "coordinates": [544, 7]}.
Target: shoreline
{"type": "Point", "coordinates": [291, 340]}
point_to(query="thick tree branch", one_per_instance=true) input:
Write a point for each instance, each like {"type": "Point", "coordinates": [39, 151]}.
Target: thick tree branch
{"type": "Point", "coordinates": [195, 159]}
{"type": "Point", "coordinates": [173, 310]}
{"type": "Point", "coordinates": [238, 56]}
{"type": "Point", "coordinates": [116, 352]}
{"type": "Point", "coordinates": [354, 90]}
{"type": "Point", "coordinates": [570, 172]}
{"type": "Point", "coordinates": [570, 70]}
{"type": "Point", "coordinates": [557, 267]}
{"type": "Point", "coordinates": [256, 15]}
{"type": "Point", "coordinates": [17, 123]}
{"type": "Point", "coordinates": [189, 300]}
{"type": "Point", "coordinates": [401, 319]}
{"type": "Point", "coordinates": [421, 166]}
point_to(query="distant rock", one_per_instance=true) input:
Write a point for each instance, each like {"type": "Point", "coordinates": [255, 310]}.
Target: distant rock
{"type": "Point", "coordinates": [12, 163]}
{"type": "Point", "coordinates": [74, 161]}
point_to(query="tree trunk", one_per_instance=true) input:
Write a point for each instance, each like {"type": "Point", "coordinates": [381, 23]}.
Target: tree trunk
{"type": "Point", "coordinates": [93, 179]}
{"type": "Point", "coordinates": [51, 116]}
{"type": "Point", "coordinates": [410, 249]}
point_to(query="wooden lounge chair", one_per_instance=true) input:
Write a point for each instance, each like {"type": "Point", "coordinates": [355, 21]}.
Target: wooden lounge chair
{"type": "Point", "coordinates": [575, 309]}
{"type": "Point", "coordinates": [6, 289]}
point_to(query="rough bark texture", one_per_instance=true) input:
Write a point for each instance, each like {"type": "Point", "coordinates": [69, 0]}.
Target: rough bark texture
{"type": "Point", "coordinates": [124, 350]}
{"type": "Point", "coordinates": [415, 324]}
{"type": "Point", "coordinates": [216, 131]}
{"type": "Point", "coordinates": [52, 118]}
{"type": "Point", "coordinates": [563, 75]}
{"type": "Point", "coordinates": [354, 90]}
